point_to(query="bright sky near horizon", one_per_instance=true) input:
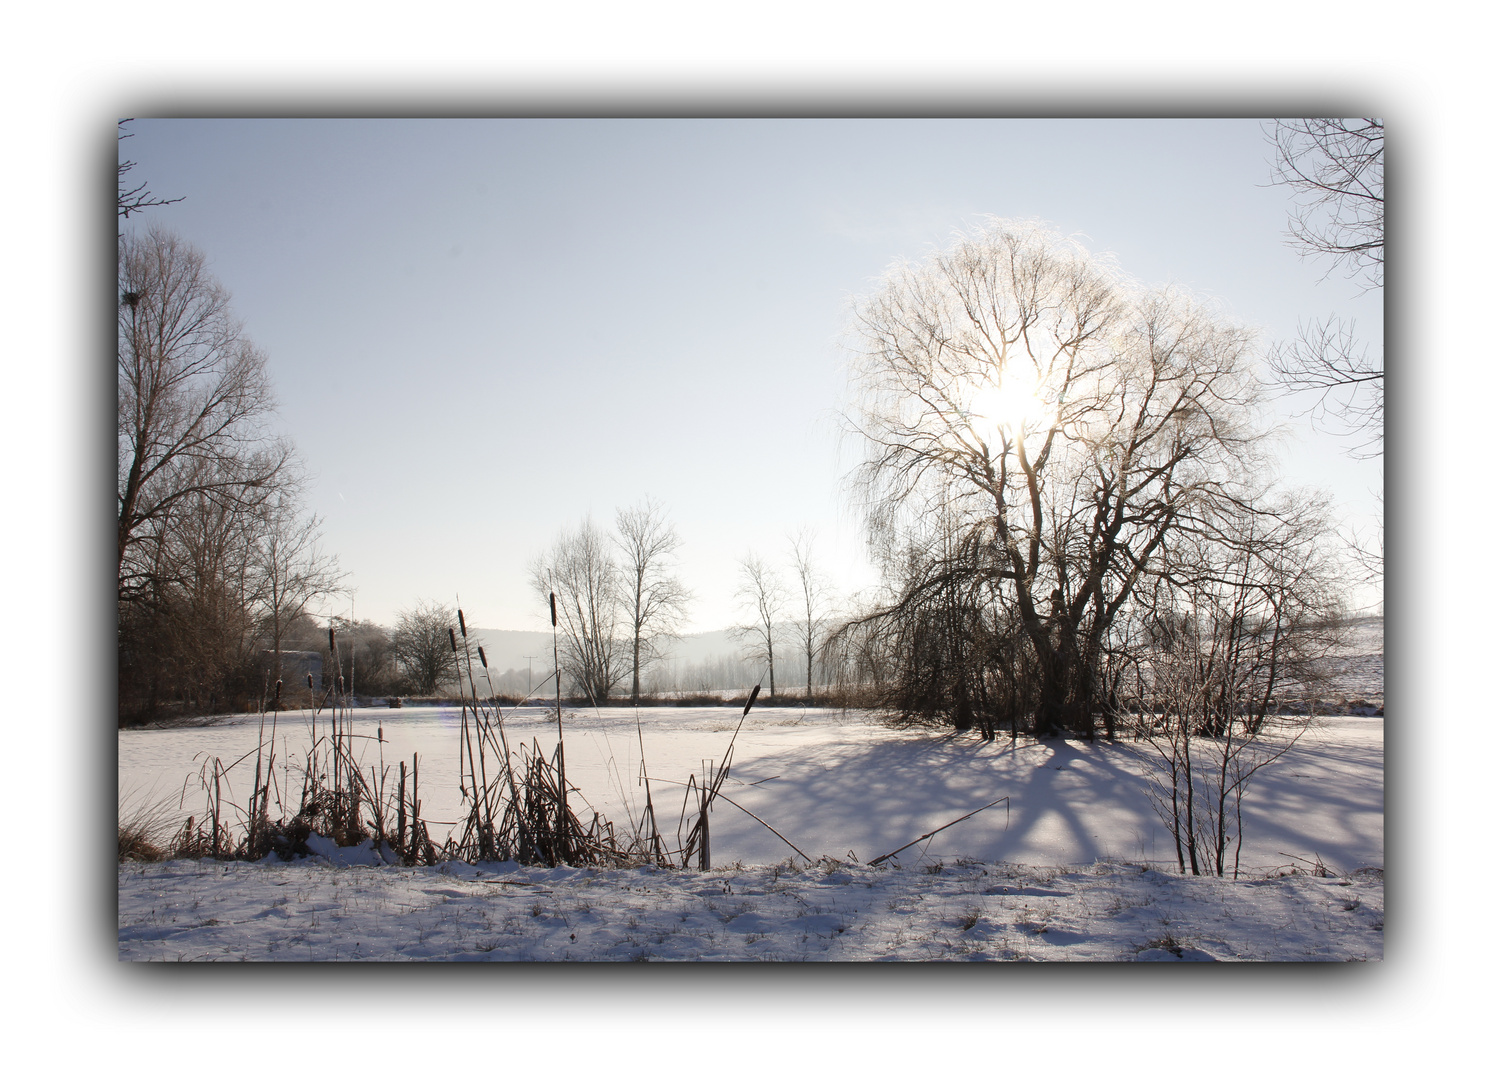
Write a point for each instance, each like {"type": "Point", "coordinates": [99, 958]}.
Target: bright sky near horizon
{"type": "Point", "coordinates": [481, 331]}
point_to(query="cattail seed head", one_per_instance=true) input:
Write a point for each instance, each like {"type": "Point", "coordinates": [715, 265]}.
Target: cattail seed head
{"type": "Point", "coordinates": [483, 664]}
{"type": "Point", "coordinates": [553, 608]}
{"type": "Point", "coordinates": [461, 624]}
{"type": "Point", "coordinates": [751, 700]}
{"type": "Point", "coordinates": [453, 642]}
{"type": "Point", "coordinates": [331, 639]}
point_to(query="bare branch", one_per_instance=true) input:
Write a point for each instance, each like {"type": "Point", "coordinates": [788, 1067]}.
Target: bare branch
{"type": "Point", "coordinates": [1335, 168]}
{"type": "Point", "coordinates": [1345, 379]}
{"type": "Point", "coordinates": [134, 200]}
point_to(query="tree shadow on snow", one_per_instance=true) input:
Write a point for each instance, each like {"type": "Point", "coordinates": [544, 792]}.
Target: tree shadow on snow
{"type": "Point", "coordinates": [1070, 802]}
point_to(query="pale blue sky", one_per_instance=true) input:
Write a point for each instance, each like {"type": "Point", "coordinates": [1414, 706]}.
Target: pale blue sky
{"type": "Point", "coordinates": [483, 330]}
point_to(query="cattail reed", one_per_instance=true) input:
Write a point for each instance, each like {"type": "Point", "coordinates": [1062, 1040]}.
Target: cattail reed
{"type": "Point", "coordinates": [558, 709]}
{"type": "Point", "coordinates": [524, 815]}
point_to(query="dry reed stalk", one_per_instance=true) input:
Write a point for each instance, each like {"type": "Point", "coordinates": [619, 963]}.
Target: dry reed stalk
{"type": "Point", "coordinates": [704, 801]}
{"type": "Point", "coordinates": [883, 858]}
{"type": "Point", "coordinates": [464, 744]}
{"type": "Point", "coordinates": [401, 806]}
{"type": "Point", "coordinates": [558, 709]}
{"type": "Point", "coordinates": [711, 789]}
{"type": "Point", "coordinates": [649, 818]}
{"type": "Point", "coordinates": [215, 842]}
{"type": "Point", "coordinates": [500, 724]}
{"type": "Point", "coordinates": [479, 831]}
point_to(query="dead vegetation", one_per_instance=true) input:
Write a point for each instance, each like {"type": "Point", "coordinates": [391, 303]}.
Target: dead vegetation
{"type": "Point", "coordinates": [518, 802]}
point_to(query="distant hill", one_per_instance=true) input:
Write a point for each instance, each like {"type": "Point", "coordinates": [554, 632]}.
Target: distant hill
{"type": "Point", "coordinates": [509, 649]}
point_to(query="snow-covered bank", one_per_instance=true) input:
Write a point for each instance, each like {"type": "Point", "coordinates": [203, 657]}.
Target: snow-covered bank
{"type": "Point", "coordinates": [312, 910]}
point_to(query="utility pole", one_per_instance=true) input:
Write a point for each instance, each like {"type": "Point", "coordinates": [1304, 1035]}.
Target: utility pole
{"type": "Point", "coordinates": [529, 660]}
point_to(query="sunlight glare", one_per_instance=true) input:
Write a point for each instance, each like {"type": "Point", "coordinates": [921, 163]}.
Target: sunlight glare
{"type": "Point", "coordinates": [1012, 405]}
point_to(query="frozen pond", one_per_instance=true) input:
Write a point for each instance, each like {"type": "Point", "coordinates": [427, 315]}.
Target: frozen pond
{"type": "Point", "coordinates": [833, 783]}
{"type": "Point", "coordinates": [602, 747]}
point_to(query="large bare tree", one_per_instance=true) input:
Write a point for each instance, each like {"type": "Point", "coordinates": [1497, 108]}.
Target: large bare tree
{"type": "Point", "coordinates": [194, 398]}
{"type": "Point", "coordinates": [1334, 168]}
{"type": "Point", "coordinates": [1071, 420]}
{"type": "Point", "coordinates": [655, 600]}
{"type": "Point", "coordinates": [586, 581]}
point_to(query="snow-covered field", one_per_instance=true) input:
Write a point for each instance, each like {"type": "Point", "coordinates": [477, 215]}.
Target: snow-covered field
{"type": "Point", "coordinates": [1074, 866]}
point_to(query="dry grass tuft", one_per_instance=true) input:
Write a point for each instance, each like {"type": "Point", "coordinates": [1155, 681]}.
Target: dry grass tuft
{"type": "Point", "coordinates": [145, 828]}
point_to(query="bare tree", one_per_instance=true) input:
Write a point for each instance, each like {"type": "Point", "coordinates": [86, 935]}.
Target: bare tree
{"type": "Point", "coordinates": [1070, 420]}
{"type": "Point", "coordinates": [211, 550]}
{"type": "Point", "coordinates": [1335, 169]}
{"type": "Point", "coordinates": [586, 581]}
{"type": "Point", "coordinates": [812, 599]}
{"type": "Point", "coordinates": [187, 634]}
{"type": "Point", "coordinates": [291, 569]}
{"type": "Point", "coordinates": [364, 647]}
{"type": "Point", "coordinates": [763, 592]}
{"type": "Point", "coordinates": [1234, 630]}
{"type": "Point", "coordinates": [421, 644]}
{"type": "Point", "coordinates": [655, 600]}
{"type": "Point", "coordinates": [194, 399]}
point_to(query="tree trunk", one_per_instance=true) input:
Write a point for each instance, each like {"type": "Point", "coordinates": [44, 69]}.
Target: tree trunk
{"type": "Point", "coordinates": [1065, 691]}
{"type": "Point", "coordinates": [636, 670]}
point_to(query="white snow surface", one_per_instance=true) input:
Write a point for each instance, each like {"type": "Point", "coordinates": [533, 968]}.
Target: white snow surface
{"type": "Point", "coordinates": [316, 910]}
{"type": "Point", "coordinates": [1076, 865]}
